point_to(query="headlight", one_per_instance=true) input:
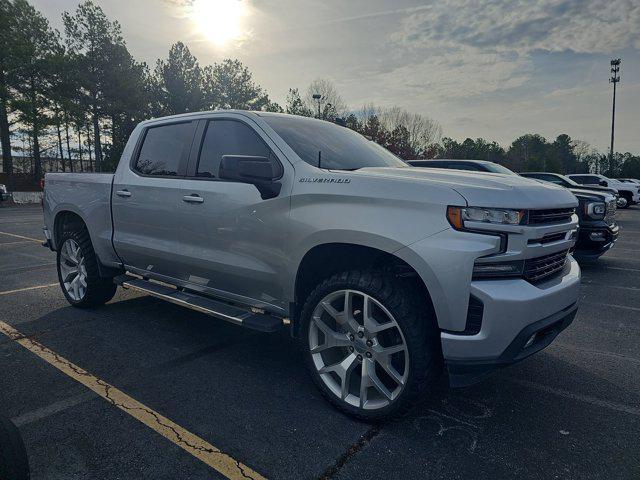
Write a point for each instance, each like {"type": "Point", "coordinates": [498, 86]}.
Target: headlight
{"type": "Point", "coordinates": [595, 210]}
{"type": "Point", "coordinates": [458, 216]}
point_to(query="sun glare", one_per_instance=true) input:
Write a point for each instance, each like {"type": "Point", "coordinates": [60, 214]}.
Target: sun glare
{"type": "Point", "coordinates": [220, 21]}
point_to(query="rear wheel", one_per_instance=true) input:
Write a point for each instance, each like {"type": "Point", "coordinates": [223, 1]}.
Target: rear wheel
{"type": "Point", "coordinates": [78, 271]}
{"type": "Point", "coordinates": [622, 202]}
{"type": "Point", "coordinates": [370, 345]}
{"type": "Point", "coordinates": [628, 200]}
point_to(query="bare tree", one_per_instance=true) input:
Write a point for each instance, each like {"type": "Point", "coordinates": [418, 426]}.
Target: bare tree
{"type": "Point", "coordinates": [331, 102]}
{"type": "Point", "coordinates": [423, 131]}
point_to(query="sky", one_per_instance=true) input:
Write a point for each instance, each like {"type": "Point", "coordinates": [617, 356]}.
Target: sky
{"type": "Point", "coordinates": [491, 69]}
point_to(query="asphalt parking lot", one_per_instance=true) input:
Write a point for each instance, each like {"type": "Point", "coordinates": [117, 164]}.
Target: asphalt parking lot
{"type": "Point", "coordinates": [571, 411]}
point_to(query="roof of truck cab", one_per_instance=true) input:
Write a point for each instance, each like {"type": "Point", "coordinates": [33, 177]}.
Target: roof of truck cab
{"type": "Point", "coordinates": [196, 114]}
{"type": "Point", "coordinates": [254, 113]}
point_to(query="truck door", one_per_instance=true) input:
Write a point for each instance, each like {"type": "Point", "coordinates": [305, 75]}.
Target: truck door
{"type": "Point", "coordinates": [147, 200]}
{"type": "Point", "coordinates": [233, 239]}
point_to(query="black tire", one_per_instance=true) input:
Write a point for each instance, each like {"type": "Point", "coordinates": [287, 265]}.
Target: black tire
{"type": "Point", "coordinates": [99, 289]}
{"type": "Point", "coordinates": [628, 197]}
{"type": "Point", "coordinates": [14, 463]}
{"type": "Point", "coordinates": [418, 326]}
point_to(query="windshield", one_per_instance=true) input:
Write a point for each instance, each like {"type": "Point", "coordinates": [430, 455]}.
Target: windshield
{"type": "Point", "coordinates": [496, 168]}
{"type": "Point", "coordinates": [333, 146]}
{"type": "Point", "coordinates": [569, 181]}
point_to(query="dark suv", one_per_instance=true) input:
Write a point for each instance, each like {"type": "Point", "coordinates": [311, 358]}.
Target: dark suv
{"type": "Point", "coordinates": [598, 229]}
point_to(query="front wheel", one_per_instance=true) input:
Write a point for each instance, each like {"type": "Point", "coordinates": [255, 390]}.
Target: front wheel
{"type": "Point", "coordinates": [370, 344]}
{"type": "Point", "coordinates": [78, 271]}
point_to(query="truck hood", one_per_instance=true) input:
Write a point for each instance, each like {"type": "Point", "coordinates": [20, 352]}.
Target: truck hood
{"type": "Point", "coordinates": [596, 195]}
{"type": "Point", "coordinates": [483, 189]}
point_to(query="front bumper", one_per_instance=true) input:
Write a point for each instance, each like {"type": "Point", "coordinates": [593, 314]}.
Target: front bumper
{"type": "Point", "coordinates": [518, 319]}
{"type": "Point", "coordinates": [593, 241]}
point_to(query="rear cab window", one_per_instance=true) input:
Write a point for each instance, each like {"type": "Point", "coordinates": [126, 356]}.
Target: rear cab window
{"type": "Point", "coordinates": [165, 149]}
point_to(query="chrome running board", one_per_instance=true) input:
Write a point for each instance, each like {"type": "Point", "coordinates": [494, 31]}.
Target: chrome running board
{"type": "Point", "coordinates": [215, 308]}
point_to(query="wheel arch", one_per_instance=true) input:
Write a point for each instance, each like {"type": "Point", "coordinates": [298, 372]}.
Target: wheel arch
{"type": "Point", "coordinates": [62, 220]}
{"type": "Point", "coordinates": [326, 259]}
{"type": "Point", "coordinates": [65, 218]}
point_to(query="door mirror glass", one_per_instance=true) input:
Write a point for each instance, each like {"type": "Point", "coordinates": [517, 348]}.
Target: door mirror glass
{"type": "Point", "coordinates": [603, 183]}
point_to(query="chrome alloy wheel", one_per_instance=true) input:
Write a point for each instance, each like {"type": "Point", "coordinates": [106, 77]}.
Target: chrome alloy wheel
{"type": "Point", "coordinates": [358, 349]}
{"type": "Point", "coordinates": [72, 270]}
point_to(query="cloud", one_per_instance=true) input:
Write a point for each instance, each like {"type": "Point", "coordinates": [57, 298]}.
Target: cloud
{"type": "Point", "coordinates": [593, 26]}
{"type": "Point", "coordinates": [458, 73]}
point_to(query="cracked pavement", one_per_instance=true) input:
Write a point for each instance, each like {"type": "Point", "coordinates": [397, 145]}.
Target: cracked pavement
{"type": "Point", "coordinates": [198, 387]}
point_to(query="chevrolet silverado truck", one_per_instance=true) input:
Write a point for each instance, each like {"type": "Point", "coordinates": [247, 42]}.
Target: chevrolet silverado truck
{"type": "Point", "coordinates": [388, 275]}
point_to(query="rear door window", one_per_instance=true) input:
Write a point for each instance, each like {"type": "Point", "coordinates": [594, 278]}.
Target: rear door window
{"type": "Point", "coordinates": [227, 137]}
{"type": "Point", "coordinates": [165, 149]}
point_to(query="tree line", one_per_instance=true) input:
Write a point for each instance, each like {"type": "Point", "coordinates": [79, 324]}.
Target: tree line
{"type": "Point", "coordinates": [533, 152]}
{"type": "Point", "coordinates": [69, 101]}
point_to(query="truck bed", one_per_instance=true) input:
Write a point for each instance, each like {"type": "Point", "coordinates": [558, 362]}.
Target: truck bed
{"type": "Point", "coordinates": [88, 195]}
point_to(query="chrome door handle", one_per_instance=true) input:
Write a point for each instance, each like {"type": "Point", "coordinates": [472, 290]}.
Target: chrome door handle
{"type": "Point", "coordinates": [193, 199]}
{"type": "Point", "coordinates": [123, 193]}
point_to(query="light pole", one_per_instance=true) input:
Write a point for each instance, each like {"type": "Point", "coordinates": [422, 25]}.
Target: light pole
{"type": "Point", "coordinates": [317, 97]}
{"type": "Point", "coordinates": [615, 78]}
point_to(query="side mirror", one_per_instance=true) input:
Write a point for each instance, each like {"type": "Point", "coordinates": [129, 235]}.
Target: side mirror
{"type": "Point", "coordinates": [259, 171]}
{"type": "Point", "coordinates": [603, 183]}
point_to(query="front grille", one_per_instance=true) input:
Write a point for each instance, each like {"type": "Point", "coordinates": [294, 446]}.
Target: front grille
{"type": "Point", "coordinates": [551, 237]}
{"type": "Point", "coordinates": [553, 215]}
{"type": "Point", "coordinates": [610, 214]}
{"type": "Point", "coordinates": [537, 269]}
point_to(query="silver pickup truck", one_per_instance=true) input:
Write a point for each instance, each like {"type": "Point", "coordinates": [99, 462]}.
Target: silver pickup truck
{"type": "Point", "coordinates": [389, 275]}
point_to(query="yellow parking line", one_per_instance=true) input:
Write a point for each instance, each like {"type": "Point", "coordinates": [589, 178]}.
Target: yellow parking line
{"type": "Point", "coordinates": [21, 236]}
{"type": "Point", "coordinates": [186, 440]}
{"type": "Point", "coordinates": [8, 292]}
{"type": "Point", "coordinates": [19, 242]}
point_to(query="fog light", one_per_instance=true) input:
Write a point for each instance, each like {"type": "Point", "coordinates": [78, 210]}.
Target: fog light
{"type": "Point", "coordinates": [597, 236]}
{"type": "Point", "coordinates": [502, 269]}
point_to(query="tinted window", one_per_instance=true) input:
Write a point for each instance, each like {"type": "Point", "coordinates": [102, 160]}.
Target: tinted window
{"type": "Point", "coordinates": [164, 148]}
{"type": "Point", "coordinates": [339, 148]}
{"type": "Point", "coordinates": [496, 168]}
{"type": "Point", "coordinates": [550, 178]}
{"type": "Point", "coordinates": [466, 166]}
{"type": "Point", "coordinates": [431, 164]}
{"type": "Point", "coordinates": [587, 179]}
{"type": "Point", "coordinates": [228, 137]}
